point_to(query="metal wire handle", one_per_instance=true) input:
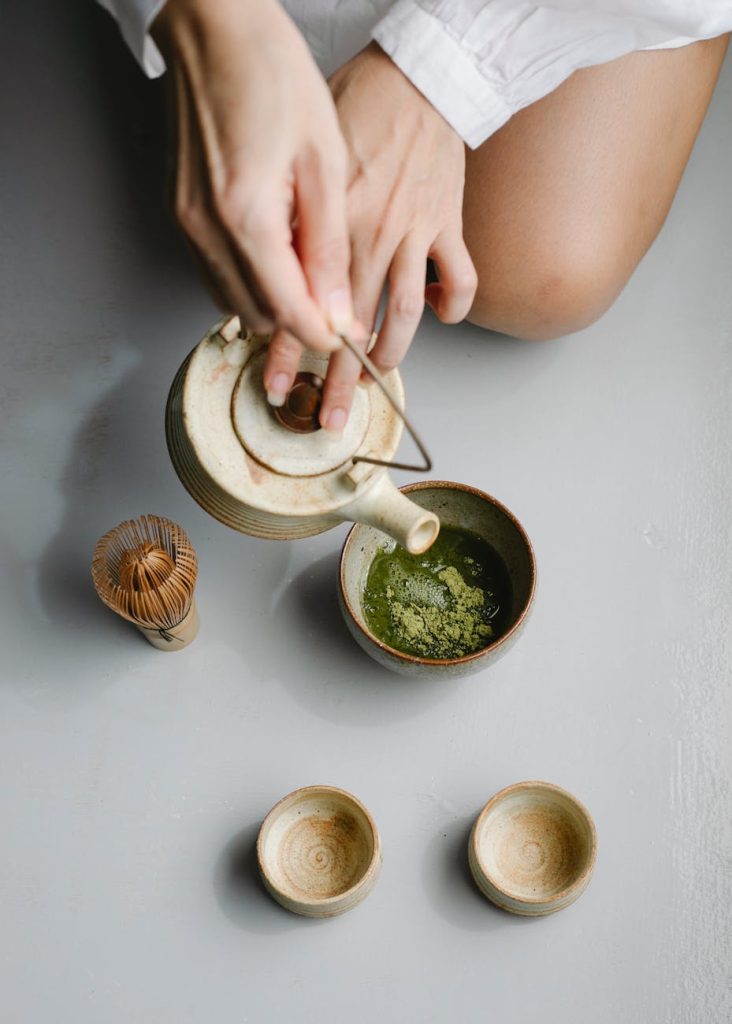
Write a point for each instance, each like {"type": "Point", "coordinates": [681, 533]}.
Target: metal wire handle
{"type": "Point", "coordinates": [379, 381]}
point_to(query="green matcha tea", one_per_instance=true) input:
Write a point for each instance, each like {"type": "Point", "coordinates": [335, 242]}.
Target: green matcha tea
{"type": "Point", "coordinates": [446, 603]}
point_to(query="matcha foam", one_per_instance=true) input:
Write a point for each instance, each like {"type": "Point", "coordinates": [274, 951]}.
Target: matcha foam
{"type": "Point", "coordinates": [445, 603]}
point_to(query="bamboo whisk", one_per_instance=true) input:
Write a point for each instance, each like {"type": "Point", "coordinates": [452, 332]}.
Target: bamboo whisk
{"type": "Point", "coordinates": [145, 570]}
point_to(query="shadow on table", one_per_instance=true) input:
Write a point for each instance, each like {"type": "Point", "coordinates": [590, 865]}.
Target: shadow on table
{"type": "Point", "coordinates": [449, 886]}
{"type": "Point", "coordinates": [241, 894]}
{"type": "Point", "coordinates": [116, 311]}
{"type": "Point", "coordinates": [325, 670]}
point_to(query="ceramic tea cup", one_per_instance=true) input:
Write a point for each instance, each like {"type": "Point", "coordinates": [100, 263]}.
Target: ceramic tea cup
{"type": "Point", "coordinates": [460, 506]}
{"type": "Point", "coordinates": [319, 851]}
{"type": "Point", "coordinates": [532, 849]}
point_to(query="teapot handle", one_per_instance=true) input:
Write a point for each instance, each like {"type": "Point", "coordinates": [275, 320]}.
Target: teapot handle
{"type": "Point", "coordinates": [379, 381]}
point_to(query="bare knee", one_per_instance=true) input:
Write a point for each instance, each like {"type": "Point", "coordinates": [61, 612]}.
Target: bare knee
{"type": "Point", "coordinates": [547, 293]}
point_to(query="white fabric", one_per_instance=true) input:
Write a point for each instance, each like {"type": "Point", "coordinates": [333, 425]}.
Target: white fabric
{"type": "Point", "coordinates": [135, 18]}
{"type": "Point", "coordinates": [476, 61]}
{"type": "Point", "coordinates": [479, 62]}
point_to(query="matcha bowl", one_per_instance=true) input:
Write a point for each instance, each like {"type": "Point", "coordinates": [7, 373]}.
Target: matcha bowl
{"type": "Point", "coordinates": [459, 508]}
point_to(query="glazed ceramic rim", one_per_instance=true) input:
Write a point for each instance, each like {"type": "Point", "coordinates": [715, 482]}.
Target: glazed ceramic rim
{"type": "Point", "coordinates": [366, 879]}
{"type": "Point", "coordinates": [575, 888]}
{"type": "Point", "coordinates": [414, 659]}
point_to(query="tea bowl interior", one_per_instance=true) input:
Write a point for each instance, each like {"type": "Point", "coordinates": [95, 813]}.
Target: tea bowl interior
{"type": "Point", "coordinates": [319, 851]}
{"type": "Point", "coordinates": [533, 848]}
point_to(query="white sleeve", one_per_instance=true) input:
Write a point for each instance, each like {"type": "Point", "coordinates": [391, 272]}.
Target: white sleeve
{"type": "Point", "coordinates": [479, 61]}
{"type": "Point", "coordinates": [135, 18]}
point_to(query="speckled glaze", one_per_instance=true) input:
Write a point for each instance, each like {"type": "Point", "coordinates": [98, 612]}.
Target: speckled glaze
{"type": "Point", "coordinates": [532, 849]}
{"type": "Point", "coordinates": [319, 852]}
{"type": "Point", "coordinates": [248, 471]}
{"type": "Point", "coordinates": [456, 505]}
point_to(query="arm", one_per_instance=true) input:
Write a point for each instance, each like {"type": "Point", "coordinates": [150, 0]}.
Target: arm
{"type": "Point", "coordinates": [260, 164]}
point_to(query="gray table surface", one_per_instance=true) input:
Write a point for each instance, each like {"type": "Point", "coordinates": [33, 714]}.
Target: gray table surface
{"type": "Point", "coordinates": [133, 783]}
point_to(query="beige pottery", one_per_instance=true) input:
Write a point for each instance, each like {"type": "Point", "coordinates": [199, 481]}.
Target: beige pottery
{"type": "Point", "coordinates": [249, 471]}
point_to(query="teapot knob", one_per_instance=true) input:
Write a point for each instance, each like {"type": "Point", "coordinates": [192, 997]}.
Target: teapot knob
{"type": "Point", "coordinates": [301, 408]}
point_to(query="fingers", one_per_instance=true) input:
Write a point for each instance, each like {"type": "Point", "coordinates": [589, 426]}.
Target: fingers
{"type": "Point", "coordinates": [340, 382]}
{"type": "Point", "coordinates": [403, 312]}
{"type": "Point", "coordinates": [242, 235]}
{"type": "Point", "coordinates": [283, 361]}
{"type": "Point", "coordinates": [344, 370]}
{"type": "Point", "coordinates": [259, 229]}
{"type": "Point", "coordinates": [405, 304]}
{"type": "Point", "coordinates": [218, 266]}
{"type": "Point", "coordinates": [192, 211]}
{"type": "Point", "coordinates": [368, 273]}
{"type": "Point", "coordinates": [452, 296]}
{"type": "Point", "coordinates": [323, 243]}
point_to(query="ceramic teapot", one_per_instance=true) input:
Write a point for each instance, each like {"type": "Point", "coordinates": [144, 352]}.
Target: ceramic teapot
{"type": "Point", "coordinates": [273, 473]}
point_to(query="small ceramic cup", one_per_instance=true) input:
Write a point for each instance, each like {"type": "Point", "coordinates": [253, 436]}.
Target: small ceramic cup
{"type": "Point", "coordinates": [319, 851]}
{"type": "Point", "coordinates": [532, 849]}
{"type": "Point", "coordinates": [456, 505]}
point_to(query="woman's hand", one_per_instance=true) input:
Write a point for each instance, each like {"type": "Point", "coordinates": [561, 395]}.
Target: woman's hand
{"type": "Point", "coordinates": [260, 177]}
{"type": "Point", "coordinates": [405, 193]}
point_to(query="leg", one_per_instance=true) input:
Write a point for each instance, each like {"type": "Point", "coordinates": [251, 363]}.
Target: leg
{"type": "Point", "coordinates": [563, 202]}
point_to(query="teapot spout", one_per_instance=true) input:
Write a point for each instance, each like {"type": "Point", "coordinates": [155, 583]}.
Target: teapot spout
{"type": "Point", "coordinates": [385, 507]}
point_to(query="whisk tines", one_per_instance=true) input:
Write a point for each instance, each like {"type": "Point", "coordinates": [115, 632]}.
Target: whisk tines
{"type": "Point", "coordinates": [145, 570]}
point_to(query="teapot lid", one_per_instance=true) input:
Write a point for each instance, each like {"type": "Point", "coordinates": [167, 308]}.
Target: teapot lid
{"type": "Point", "coordinates": [272, 441]}
{"type": "Point", "coordinates": [230, 446]}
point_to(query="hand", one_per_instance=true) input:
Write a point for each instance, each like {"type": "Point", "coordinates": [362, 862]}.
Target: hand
{"type": "Point", "coordinates": [259, 150]}
{"type": "Point", "coordinates": [405, 193]}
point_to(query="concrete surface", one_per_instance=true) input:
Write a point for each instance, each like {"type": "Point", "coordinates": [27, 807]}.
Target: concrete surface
{"type": "Point", "coordinates": [133, 783]}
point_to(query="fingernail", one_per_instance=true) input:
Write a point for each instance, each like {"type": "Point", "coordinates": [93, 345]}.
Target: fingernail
{"type": "Point", "coordinates": [340, 311]}
{"type": "Point", "coordinates": [277, 390]}
{"type": "Point", "coordinates": [336, 421]}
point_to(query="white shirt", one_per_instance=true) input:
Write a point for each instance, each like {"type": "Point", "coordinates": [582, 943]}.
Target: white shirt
{"type": "Point", "coordinates": [476, 61]}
